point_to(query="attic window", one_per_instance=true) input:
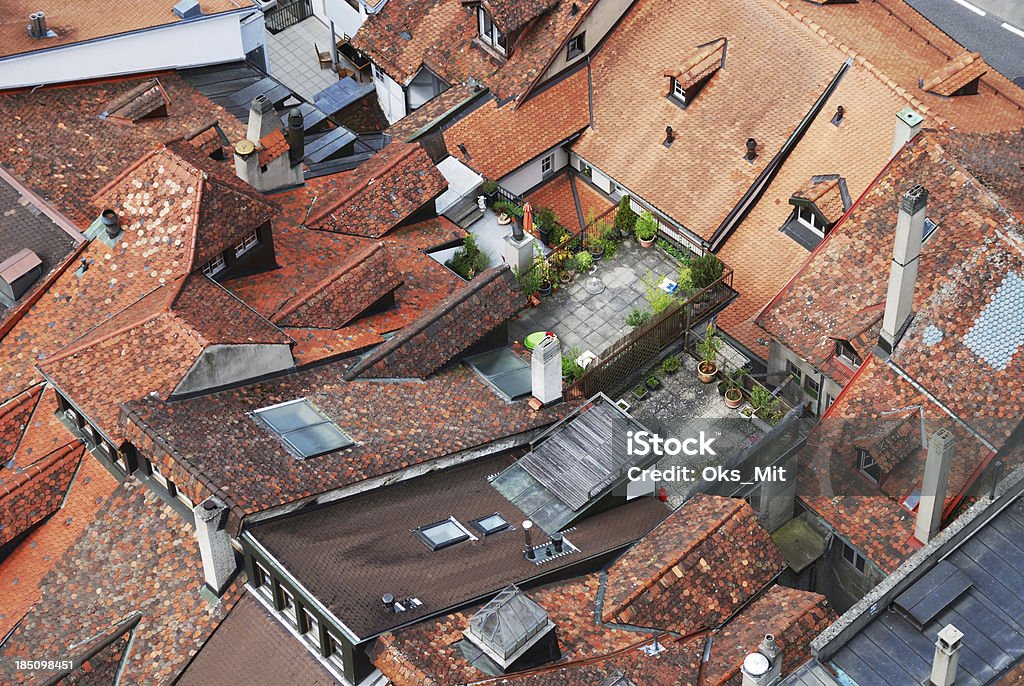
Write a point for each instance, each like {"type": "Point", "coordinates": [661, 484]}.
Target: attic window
{"type": "Point", "coordinates": [442, 534]}
{"type": "Point", "coordinates": [698, 68]}
{"type": "Point", "coordinates": [577, 45]}
{"type": "Point", "coordinates": [489, 33]}
{"type": "Point", "coordinates": [678, 92]}
{"type": "Point", "coordinates": [868, 467]}
{"type": "Point", "coordinates": [490, 524]}
{"type": "Point", "coordinates": [929, 228]}
{"type": "Point", "coordinates": [303, 428]}
{"type": "Point", "coordinates": [215, 266]}
{"type": "Point", "coordinates": [812, 220]}
{"type": "Point", "coordinates": [846, 353]}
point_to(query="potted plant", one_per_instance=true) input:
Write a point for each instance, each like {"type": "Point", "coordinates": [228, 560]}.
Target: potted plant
{"type": "Point", "coordinates": [564, 276]}
{"type": "Point", "coordinates": [652, 382]}
{"type": "Point", "coordinates": [595, 246]}
{"type": "Point", "coordinates": [747, 412]}
{"type": "Point", "coordinates": [640, 392]}
{"type": "Point", "coordinates": [705, 270]}
{"type": "Point", "coordinates": [625, 217]}
{"type": "Point", "coordinates": [708, 350]}
{"type": "Point", "coordinates": [584, 262]}
{"type": "Point", "coordinates": [490, 191]}
{"type": "Point", "coordinates": [547, 226]}
{"type": "Point", "coordinates": [646, 229]}
{"type": "Point", "coordinates": [766, 405]}
{"type": "Point", "coordinates": [723, 386]}
{"type": "Point", "coordinates": [734, 394]}
{"type": "Point", "coordinates": [637, 317]}
{"type": "Point", "coordinates": [529, 283]}
{"type": "Point", "coordinates": [571, 369]}
{"type": "Point", "coordinates": [670, 365]}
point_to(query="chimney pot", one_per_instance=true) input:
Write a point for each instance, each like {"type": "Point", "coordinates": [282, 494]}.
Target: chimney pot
{"type": "Point", "coordinates": [296, 136]}
{"type": "Point", "coordinates": [947, 656]}
{"type": "Point", "coordinates": [556, 540]}
{"type": "Point", "coordinates": [389, 601]}
{"type": "Point", "coordinates": [840, 111]}
{"type": "Point", "coordinates": [527, 525]}
{"type": "Point", "coordinates": [908, 125]}
{"type": "Point", "coordinates": [110, 224]}
{"type": "Point", "coordinates": [214, 544]}
{"type": "Point", "coordinates": [546, 371]}
{"type": "Point", "coordinates": [669, 136]}
{"type": "Point", "coordinates": [37, 25]}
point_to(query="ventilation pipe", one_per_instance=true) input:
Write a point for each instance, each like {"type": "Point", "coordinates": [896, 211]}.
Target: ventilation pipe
{"type": "Point", "coordinates": [764, 667]}
{"type": "Point", "coordinates": [296, 136]}
{"type": "Point", "coordinates": [389, 601]}
{"type": "Point", "coordinates": [751, 150]}
{"type": "Point", "coordinates": [933, 486]}
{"type": "Point", "coordinates": [546, 371]}
{"type": "Point", "coordinates": [899, 301]}
{"type": "Point", "coordinates": [214, 544]}
{"type": "Point", "coordinates": [947, 656]}
{"type": "Point", "coordinates": [110, 223]}
{"type": "Point", "coordinates": [37, 25]}
{"type": "Point", "coordinates": [527, 527]}
{"type": "Point", "coordinates": [908, 125]}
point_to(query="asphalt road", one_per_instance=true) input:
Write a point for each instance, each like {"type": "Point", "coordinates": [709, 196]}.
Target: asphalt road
{"type": "Point", "coordinates": [981, 26]}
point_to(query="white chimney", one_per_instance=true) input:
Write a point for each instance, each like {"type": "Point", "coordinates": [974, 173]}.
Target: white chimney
{"type": "Point", "coordinates": [263, 119]}
{"type": "Point", "coordinates": [933, 486]}
{"type": "Point", "coordinates": [908, 125]}
{"type": "Point", "coordinates": [214, 544]}
{"type": "Point", "coordinates": [899, 301]}
{"type": "Point", "coordinates": [947, 656]}
{"type": "Point", "coordinates": [546, 370]}
{"type": "Point", "coordinates": [764, 667]}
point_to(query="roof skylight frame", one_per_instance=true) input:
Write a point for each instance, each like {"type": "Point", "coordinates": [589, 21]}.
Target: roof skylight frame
{"type": "Point", "coordinates": [423, 533]}
{"type": "Point", "coordinates": [488, 530]}
{"type": "Point", "coordinates": [296, 433]}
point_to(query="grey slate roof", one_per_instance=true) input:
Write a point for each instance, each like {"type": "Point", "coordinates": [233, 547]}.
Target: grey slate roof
{"type": "Point", "coordinates": [978, 588]}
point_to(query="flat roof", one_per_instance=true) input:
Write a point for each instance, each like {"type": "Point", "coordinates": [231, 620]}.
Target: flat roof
{"type": "Point", "coordinates": [350, 553]}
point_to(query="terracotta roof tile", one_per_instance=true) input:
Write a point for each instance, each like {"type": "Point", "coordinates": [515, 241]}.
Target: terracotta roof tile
{"type": "Point", "coordinates": [272, 146]}
{"type": "Point", "coordinates": [557, 194]}
{"type": "Point", "coordinates": [39, 552]}
{"type": "Point", "coordinates": [501, 138]}
{"type": "Point", "coordinates": [511, 15]}
{"type": "Point", "coordinates": [433, 111]}
{"type": "Point", "coordinates": [36, 491]}
{"type": "Point", "coordinates": [452, 327]}
{"type": "Point", "coordinates": [14, 417]}
{"type": "Point", "coordinates": [826, 196]}
{"type": "Point", "coordinates": [443, 37]}
{"type": "Point", "coordinates": [712, 552]}
{"type": "Point", "coordinates": [137, 556]}
{"type": "Point", "coordinates": [956, 74]}
{"type": "Point", "coordinates": [701, 63]}
{"type": "Point", "coordinates": [381, 193]}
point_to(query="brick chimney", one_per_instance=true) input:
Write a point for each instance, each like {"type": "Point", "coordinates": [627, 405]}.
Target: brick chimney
{"type": "Point", "coordinates": [906, 249]}
{"type": "Point", "coordinates": [947, 656]}
{"type": "Point", "coordinates": [908, 125]}
{"type": "Point", "coordinates": [547, 371]}
{"type": "Point", "coordinates": [214, 544]}
{"type": "Point", "coordinates": [933, 486]}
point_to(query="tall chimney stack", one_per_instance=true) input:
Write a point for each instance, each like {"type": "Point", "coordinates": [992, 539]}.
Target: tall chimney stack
{"type": "Point", "coordinates": [899, 301]}
{"type": "Point", "coordinates": [908, 125]}
{"type": "Point", "coordinates": [947, 656]}
{"type": "Point", "coordinates": [263, 119]}
{"type": "Point", "coordinates": [933, 486]}
{"type": "Point", "coordinates": [546, 371]}
{"type": "Point", "coordinates": [214, 544]}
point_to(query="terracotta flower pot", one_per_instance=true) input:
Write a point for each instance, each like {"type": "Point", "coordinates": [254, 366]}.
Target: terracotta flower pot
{"type": "Point", "coordinates": [646, 244]}
{"type": "Point", "coordinates": [707, 372]}
{"type": "Point", "coordinates": [733, 398]}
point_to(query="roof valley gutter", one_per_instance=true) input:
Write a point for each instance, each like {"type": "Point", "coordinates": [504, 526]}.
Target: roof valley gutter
{"type": "Point", "coordinates": [738, 213]}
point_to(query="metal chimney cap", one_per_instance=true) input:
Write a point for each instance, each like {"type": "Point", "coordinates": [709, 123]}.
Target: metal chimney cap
{"type": "Point", "coordinates": [245, 147]}
{"type": "Point", "coordinates": [527, 524]}
{"type": "Point", "coordinates": [756, 664]}
{"type": "Point", "coordinates": [388, 599]}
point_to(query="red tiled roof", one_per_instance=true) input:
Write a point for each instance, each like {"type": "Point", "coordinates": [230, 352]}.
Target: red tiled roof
{"type": "Point", "coordinates": [713, 547]}
{"type": "Point", "coordinates": [363, 280]}
{"type": "Point", "coordinates": [137, 556]}
{"type": "Point", "coordinates": [956, 74]}
{"type": "Point", "coordinates": [145, 100]}
{"type": "Point", "coordinates": [511, 15]}
{"type": "Point", "coordinates": [444, 39]}
{"type": "Point", "coordinates": [36, 491]}
{"type": "Point", "coordinates": [272, 146]}
{"type": "Point", "coordinates": [974, 252]}
{"type": "Point", "coordinates": [381, 193]}
{"type": "Point", "coordinates": [557, 194]}
{"type": "Point", "coordinates": [54, 139]}
{"type": "Point", "coordinates": [701, 63]}
{"type": "Point", "coordinates": [39, 552]}
{"type": "Point", "coordinates": [434, 110]}
{"type": "Point", "coordinates": [452, 327]}
{"type": "Point", "coordinates": [499, 139]}
{"type": "Point", "coordinates": [14, 416]}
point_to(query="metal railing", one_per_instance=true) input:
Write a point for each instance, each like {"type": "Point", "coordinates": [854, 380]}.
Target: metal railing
{"type": "Point", "coordinates": [625, 360]}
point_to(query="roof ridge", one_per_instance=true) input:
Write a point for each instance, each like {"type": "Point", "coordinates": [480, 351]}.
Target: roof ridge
{"type": "Point", "coordinates": [862, 61]}
{"type": "Point", "coordinates": [734, 507]}
{"type": "Point", "coordinates": [16, 401]}
{"type": "Point", "coordinates": [25, 476]}
{"type": "Point", "coordinates": [298, 300]}
{"type": "Point", "coordinates": [363, 182]}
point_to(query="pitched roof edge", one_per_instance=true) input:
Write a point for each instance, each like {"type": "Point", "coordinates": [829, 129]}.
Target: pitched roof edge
{"type": "Point", "coordinates": [728, 514]}
{"type": "Point", "coordinates": [26, 475]}
{"type": "Point", "coordinates": [525, 95]}
{"type": "Point", "coordinates": [124, 175]}
{"type": "Point", "coordinates": [361, 185]}
{"type": "Point", "coordinates": [429, 317]}
{"type": "Point", "coordinates": [28, 303]}
{"type": "Point", "coordinates": [294, 303]}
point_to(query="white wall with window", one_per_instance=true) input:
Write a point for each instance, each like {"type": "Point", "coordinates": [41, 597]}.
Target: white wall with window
{"type": "Point", "coordinates": [595, 26]}
{"type": "Point", "coordinates": [815, 389]}
{"type": "Point", "coordinates": [347, 15]}
{"type": "Point", "coordinates": [810, 219]}
{"type": "Point", "coordinates": [678, 92]}
{"type": "Point", "coordinates": [390, 95]}
{"type": "Point", "coordinates": [532, 173]}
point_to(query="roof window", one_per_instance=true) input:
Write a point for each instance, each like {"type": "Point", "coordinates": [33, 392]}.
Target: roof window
{"type": "Point", "coordinates": [442, 534]}
{"type": "Point", "coordinates": [490, 524]}
{"type": "Point", "coordinates": [489, 32]}
{"type": "Point", "coordinates": [304, 429]}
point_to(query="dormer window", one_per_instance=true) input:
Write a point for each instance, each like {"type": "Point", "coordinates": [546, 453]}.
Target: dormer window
{"type": "Point", "coordinates": [867, 466]}
{"type": "Point", "coordinates": [698, 68]}
{"type": "Point", "coordinates": [812, 220]}
{"type": "Point", "coordinates": [489, 33]}
{"type": "Point", "coordinates": [678, 92]}
{"type": "Point", "coordinates": [577, 46]}
{"type": "Point", "coordinates": [846, 353]}
{"type": "Point", "coordinates": [215, 266]}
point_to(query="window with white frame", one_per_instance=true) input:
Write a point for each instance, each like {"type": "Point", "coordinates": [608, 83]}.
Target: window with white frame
{"type": "Point", "coordinates": [678, 92]}
{"type": "Point", "coordinates": [286, 605]}
{"type": "Point", "coordinates": [547, 165]}
{"type": "Point", "coordinates": [867, 465]}
{"type": "Point", "coordinates": [811, 386]}
{"type": "Point", "coordinates": [856, 560]}
{"type": "Point", "coordinates": [577, 45]}
{"type": "Point", "coordinates": [215, 266]}
{"type": "Point", "coordinates": [810, 219]}
{"type": "Point", "coordinates": [156, 473]}
{"type": "Point", "coordinates": [794, 370]}
{"type": "Point", "coordinates": [247, 244]}
{"type": "Point", "coordinates": [489, 33]}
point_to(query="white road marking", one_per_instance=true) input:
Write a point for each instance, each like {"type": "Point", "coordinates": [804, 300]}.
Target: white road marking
{"type": "Point", "coordinates": [1013, 29]}
{"type": "Point", "coordinates": [977, 10]}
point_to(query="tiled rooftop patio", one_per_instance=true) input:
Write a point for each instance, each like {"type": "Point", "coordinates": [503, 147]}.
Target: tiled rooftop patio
{"type": "Point", "coordinates": [293, 58]}
{"type": "Point", "coordinates": [593, 322]}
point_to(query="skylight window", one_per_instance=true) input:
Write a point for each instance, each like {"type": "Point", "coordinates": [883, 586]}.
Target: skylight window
{"type": "Point", "coordinates": [442, 534]}
{"type": "Point", "coordinates": [929, 228]}
{"type": "Point", "coordinates": [491, 524]}
{"type": "Point", "coordinates": [304, 429]}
